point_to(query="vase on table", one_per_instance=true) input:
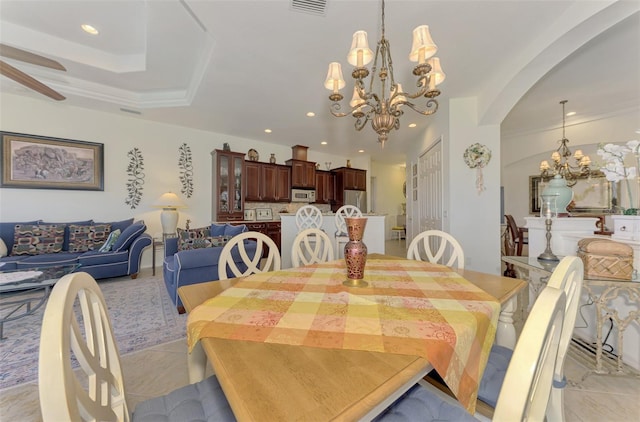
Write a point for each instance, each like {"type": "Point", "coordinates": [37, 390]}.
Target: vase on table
{"type": "Point", "coordinates": [355, 252]}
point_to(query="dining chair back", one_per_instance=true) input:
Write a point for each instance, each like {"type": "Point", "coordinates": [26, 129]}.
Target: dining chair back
{"type": "Point", "coordinates": [308, 217]}
{"type": "Point", "coordinates": [568, 277]}
{"type": "Point", "coordinates": [437, 247]}
{"type": "Point", "coordinates": [518, 236]}
{"type": "Point", "coordinates": [76, 329]}
{"type": "Point", "coordinates": [253, 261]}
{"type": "Point", "coordinates": [311, 246]}
{"type": "Point", "coordinates": [527, 384]}
{"type": "Point", "coordinates": [341, 236]}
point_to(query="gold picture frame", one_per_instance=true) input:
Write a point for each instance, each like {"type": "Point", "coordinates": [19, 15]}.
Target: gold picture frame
{"type": "Point", "coordinates": [40, 162]}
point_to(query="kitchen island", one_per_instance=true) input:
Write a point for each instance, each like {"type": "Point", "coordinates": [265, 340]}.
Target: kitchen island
{"type": "Point", "coordinates": [374, 234]}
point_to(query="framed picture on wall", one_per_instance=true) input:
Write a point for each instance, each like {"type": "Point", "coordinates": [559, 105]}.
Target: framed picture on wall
{"type": "Point", "coordinates": [40, 162]}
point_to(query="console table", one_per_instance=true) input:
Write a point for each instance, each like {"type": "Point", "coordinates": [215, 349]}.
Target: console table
{"type": "Point", "coordinates": [602, 293]}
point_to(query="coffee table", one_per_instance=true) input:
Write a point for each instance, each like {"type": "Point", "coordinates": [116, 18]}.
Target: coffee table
{"type": "Point", "coordinates": [23, 291]}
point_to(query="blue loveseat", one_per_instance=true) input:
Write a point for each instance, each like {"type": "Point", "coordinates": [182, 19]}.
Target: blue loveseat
{"type": "Point", "coordinates": [192, 266]}
{"type": "Point", "coordinates": [70, 243]}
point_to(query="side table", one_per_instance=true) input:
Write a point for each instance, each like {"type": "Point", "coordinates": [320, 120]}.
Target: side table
{"type": "Point", "coordinates": [156, 243]}
{"type": "Point", "coordinates": [602, 293]}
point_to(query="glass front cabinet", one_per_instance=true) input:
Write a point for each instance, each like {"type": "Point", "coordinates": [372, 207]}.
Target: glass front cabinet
{"type": "Point", "coordinates": [227, 184]}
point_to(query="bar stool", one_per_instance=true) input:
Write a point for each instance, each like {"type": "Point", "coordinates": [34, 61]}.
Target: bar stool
{"type": "Point", "coordinates": [400, 231]}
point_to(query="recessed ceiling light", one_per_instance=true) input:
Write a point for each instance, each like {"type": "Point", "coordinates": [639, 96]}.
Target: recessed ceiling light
{"type": "Point", "coordinates": [89, 29]}
{"type": "Point", "coordinates": [311, 114]}
{"type": "Point", "coordinates": [638, 131]}
{"type": "Point", "coordinates": [412, 125]}
{"type": "Point", "coordinates": [571, 113]}
{"type": "Point", "coordinates": [267, 130]}
{"type": "Point", "coordinates": [323, 143]}
{"type": "Point", "coordinates": [360, 150]}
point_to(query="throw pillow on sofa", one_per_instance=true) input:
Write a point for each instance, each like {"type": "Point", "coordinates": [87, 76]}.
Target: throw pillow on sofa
{"type": "Point", "coordinates": [194, 238]}
{"type": "Point", "coordinates": [3, 248]}
{"type": "Point", "coordinates": [127, 236]}
{"type": "Point", "coordinates": [80, 238]}
{"type": "Point", "coordinates": [231, 231]}
{"type": "Point", "coordinates": [111, 240]}
{"type": "Point", "coordinates": [99, 234]}
{"type": "Point", "coordinates": [30, 239]}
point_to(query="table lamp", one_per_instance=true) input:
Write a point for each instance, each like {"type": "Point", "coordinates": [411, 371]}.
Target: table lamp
{"type": "Point", "coordinates": [169, 202]}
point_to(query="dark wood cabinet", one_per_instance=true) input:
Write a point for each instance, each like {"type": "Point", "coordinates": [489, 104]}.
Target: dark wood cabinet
{"type": "Point", "coordinates": [227, 177]}
{"type": "Point", "coordinates": [267, 182]}
{"type": "Point", "coordinates": [271, 228]}
{"type": "Point", "coordinates": [252, 170]}
{"type": "Point", "coordinates": [325, 187]}
{"type": "Point", "coordinates": [303, 174]}
{"type": "Point", "coordinates": [350, 179]}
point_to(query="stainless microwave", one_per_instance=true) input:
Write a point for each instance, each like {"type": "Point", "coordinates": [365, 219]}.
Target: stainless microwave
{"type": "Point", "coordinates": [302, 195]}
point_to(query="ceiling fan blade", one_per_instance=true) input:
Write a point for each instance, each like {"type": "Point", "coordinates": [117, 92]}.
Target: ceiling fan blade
{"type": "Point", "coordinates": [26, 80]}
{"type": "Point", "coordinates": [25, 56]}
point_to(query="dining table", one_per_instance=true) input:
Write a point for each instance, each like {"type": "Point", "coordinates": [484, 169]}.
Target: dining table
{"type": "Point", "coordinates": [275, 361]}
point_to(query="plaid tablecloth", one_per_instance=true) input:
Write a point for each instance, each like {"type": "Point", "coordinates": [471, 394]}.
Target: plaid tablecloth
{"type": "Point", "coordinates": [410, 307]}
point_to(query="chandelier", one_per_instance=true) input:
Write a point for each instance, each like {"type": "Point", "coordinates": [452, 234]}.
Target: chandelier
{"type": "Point", "coordinates": [561, 164]}
{"type": "Point", "coordinates": [383, 108]}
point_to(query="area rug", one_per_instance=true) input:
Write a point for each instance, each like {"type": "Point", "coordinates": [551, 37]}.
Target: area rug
{"type": "Point", "coordinates": [141, 312]}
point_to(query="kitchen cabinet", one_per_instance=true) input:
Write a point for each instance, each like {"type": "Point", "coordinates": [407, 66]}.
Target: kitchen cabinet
{"type": "Point", "coordinates": [252, 170]}
{"type": "Point", "coordinates": [325, 187]}
{"type": "Point", "coordinates": [303, 174]}
{"type": "Point", "coordinates": [227, 177]}
{"type": "Point", "coordinates": [267, 182]}
{"type": "Point", "coordinates": [350, 179]}
{"type": "Point", "coordinates": [271, 228]}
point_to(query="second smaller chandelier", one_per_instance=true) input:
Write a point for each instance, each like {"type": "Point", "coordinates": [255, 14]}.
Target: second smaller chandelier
{"type": "Point", "coordinates": [381, 103]}
{"type": "Point", "coordinates": [560, 160]}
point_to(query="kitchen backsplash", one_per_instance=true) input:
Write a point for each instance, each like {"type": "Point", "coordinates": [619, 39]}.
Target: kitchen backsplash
{"type": "Point", "coordinates": [277, 208]}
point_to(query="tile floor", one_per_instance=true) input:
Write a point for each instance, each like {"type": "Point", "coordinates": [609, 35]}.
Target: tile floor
{"type": "Point", "coordinates": [597, 398]}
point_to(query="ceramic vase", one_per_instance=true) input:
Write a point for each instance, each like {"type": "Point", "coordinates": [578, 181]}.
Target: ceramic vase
{"type": "Point", "coordinates": [355, 252]}
{"type": "Point", "coordinates": [272, 159]}
{"type": "Point", "coordinates": [563, 193]}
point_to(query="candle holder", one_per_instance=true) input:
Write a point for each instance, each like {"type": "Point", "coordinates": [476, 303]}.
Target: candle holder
{"type": "Point", "coordinates": [548, 211]}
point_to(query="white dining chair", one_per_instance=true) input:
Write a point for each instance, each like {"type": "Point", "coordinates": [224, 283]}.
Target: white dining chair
{"type": "Point", "coordinates": [308, 217]}
{"type": "Point", "coordinates": [76, 329]}
{"type": "Point", "coordinates": [568, 277]}
{"type": "Point", "coordinates": [252, 260]}
{"type": "Point", "coordinates": [436, 246]}
{"type": "Point", "coordinates": [341, 236]}
{"type": "Point", "coordinates": [527, 384]}
{"type": "Point", "coordinates": [311, 246]}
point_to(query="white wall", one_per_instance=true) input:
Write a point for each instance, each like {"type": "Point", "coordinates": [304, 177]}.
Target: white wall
{"type": "Point", "coordinates": [388, 192]}
{"type": "Point", "coordinates": [159, 145]}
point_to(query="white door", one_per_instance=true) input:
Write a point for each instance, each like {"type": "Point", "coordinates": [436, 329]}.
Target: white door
{"type": "Point", "coordinates": [430, 188]}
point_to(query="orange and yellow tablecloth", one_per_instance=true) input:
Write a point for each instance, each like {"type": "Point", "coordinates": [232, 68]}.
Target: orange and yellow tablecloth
{"type": "Point", "coordinates": [410, 307]}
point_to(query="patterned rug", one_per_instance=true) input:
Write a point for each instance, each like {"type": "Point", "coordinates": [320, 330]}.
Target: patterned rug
{"type": "Point", "coordinates": [141, 312]}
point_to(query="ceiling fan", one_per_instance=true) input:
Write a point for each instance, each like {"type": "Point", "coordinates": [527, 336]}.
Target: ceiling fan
{"type": "Point", "coordinates": [24, 79]}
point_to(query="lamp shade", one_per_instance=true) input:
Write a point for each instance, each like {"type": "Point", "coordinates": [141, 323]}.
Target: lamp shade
{"type": "Point", "coordinates": [423, 46]}
{"type": "Point", "coordinates": [436, 70]}
{"type": "Point", "coordinates": [334, 80]}
{"type": "Point", "coordinates": [360, 53]}
{"type": "Point", "coordinates": [400, 96]}
{"type": "Point", "coordinates": [356, 100]}
{"type": "Point", "coordinates": [169, 200]}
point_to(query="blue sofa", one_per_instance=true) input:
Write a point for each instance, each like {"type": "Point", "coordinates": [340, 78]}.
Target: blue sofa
{"type": "Point", "coordinates": [192, 266]}
{"type": "Point", "coordinates": [123, 258]}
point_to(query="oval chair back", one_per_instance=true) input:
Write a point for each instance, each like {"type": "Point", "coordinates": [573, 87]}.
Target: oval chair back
{"type": "Point", "coordinates": [436, 246]}
{"type": "Point", "coordinates": [311, 246]}
{"type": "Point", "coordinates": [253, 261]}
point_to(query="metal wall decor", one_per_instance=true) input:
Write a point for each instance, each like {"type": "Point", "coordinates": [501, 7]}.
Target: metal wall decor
{"type": "Point", "coordinates": [136, 178]}
{"type": "Point", "coordinates": [186, 170]}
